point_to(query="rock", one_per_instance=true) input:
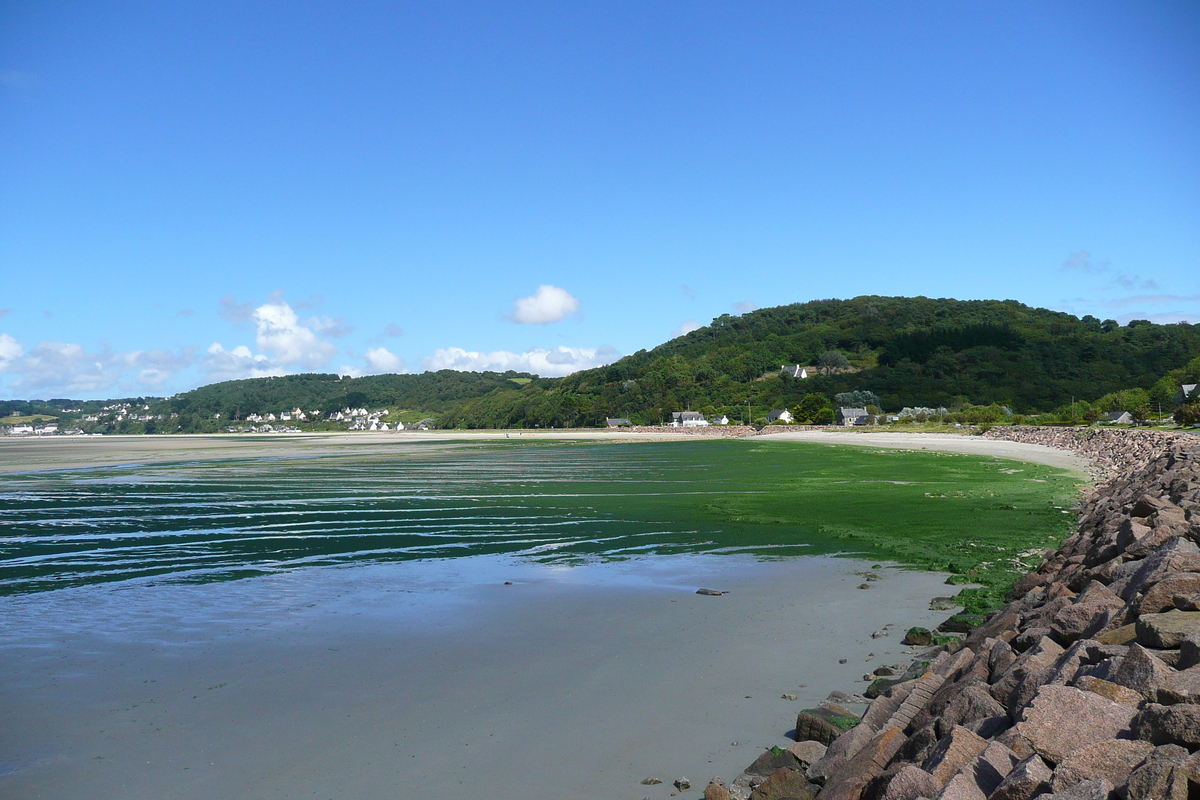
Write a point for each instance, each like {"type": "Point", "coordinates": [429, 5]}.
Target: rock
{"type": "Point", "coordinates": [910, 783]}
{"type": "Point", "coordinates": [785, 784]}
{"type": "Point", "coordinates": [716, 790]}
{"type": "Point", "coordinates": [1161, 596]}
{"type": "Point", "coordinates": [972, 704]}
{"type": "Point", "coordinates": [1063, 719]}
{"type": "Point", "coordinates": [1161, 776]}
{"type": "Point", "coordinates": [879, 634]}
{"type": "Point", "coordinates": [1118, 694]}
{"type": "Point", "coordinates": [1180, 687]}
{"type": "Point", "coordinates": [919, 745]}
{"type": "Point", "coordinates": [1028, 778]}
{"type": "Point", "coordinates": [849, 781]}
{"type": "Point", "coordinates": [710, 592]}
{"type": "Point", "coordinates": [943, 604]}
{"type": "Point", "coordinates": [879, 686]}
{"type": "Point", "coordinates": [650, 781]}
{"type": "Point", "coordinates": [1113, 761]}
{"type": "Point", "coordinates": [683, 784]}
{"type": "Point", "coordinates": [1140, 671]}
{"type": "Point", "coordinates": [920, 637]}
{"type": "Point", "coordinates": [840, 752]}
{"type": "Point", "coordinates": [1085, 790]}
{"type": "Point", "coordinates": [981, 776]}
{"type": "Point", "coordinates": [807, 753]}
{"type": "Point", "coordinates": [1168, 629]}
{"type": "Point", "coordinates": [1179, 724]}
{"type": "Point", "coordinates": [821, 725]}
{"type": "Point", "coordinates": [788, 696]}
{"type": "Point", "coordinates": [771, 760]}
{"type": "Point", "coordinates": [952, 753]}
{"type": "Point", "coordinates": [1038, 659]}
{"type": "Point", "coordinates": [1122, 635]}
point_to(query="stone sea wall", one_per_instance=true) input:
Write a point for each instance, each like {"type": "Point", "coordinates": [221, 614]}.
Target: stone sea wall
{"type": "Point", "coordinates": [1085, 686]}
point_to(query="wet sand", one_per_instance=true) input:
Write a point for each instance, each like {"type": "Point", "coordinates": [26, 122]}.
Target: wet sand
{"type": "Point", "coordinates": [945, 442]}
{"type": "Point", "coordinates": [20, 454]}
{"type": "Point", "coordinates": [435, 680]}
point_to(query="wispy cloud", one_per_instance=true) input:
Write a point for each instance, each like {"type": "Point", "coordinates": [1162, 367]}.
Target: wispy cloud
{"type": "Point", "coordinates": [334, 328]}
{"type": "Point", "coordinates": [1081, 261]}
{"type": "Point", "coordinates": [550, 363]}
{"type": "Point", "coordinates": [547, 304]}
{"type": "Point", "coordinates": [685, 327]}
{"type": "Point", "coordinates": [688, 292]}
{"type": "Point", "coordinates": [393, 330]}
{"type": "Point", "coordinates": [4, 312]}
{"type": "Point", "coordinates": [744, 307]}
{"type": "Point", "coordinates": [235, 312]}
{"type": "Point", "coordinates": [1152, 299]}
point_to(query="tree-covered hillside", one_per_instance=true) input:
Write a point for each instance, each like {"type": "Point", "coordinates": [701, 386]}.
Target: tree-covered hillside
{"type": "Point", "coordinates": [433, 392]}
{"type": "Point", "coordinates": [909, 351]}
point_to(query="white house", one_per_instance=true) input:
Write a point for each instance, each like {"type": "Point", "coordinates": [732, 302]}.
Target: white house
{"type": "Point", "coordinates": [720, 419]}
{"type": "Point", "coordinates": [20, 430]}
{"type": "Point", "coordinates": [687, 419]}
{"type": "Point", "coordinates": [781, 415]}
{"type": "Point", "coordinates": [795, 370]}
{"type": "Point", "coordinates": [1117, 418]}
{"type": "Point", "coordinates": [618, 422]}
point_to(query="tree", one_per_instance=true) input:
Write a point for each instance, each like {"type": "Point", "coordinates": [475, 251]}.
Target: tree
{"type": "Point", "coordinates": [831, 361]}
{"type": "Point", "coordinates": [1187, 414]}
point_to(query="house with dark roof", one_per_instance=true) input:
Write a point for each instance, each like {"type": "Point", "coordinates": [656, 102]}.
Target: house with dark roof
{"type": "Point", "coordinates": [781, 415]}
{"type": "Point", "coordinates": [794, 370]}
{"type": "Point", "coordinates": [1117, 418]}
{"type": "Point", "coordinates": [852, 416]}
{"type": "Point", "coordinates": [687, 419]}
{"type": "Point", "coordinates": [618, 422]}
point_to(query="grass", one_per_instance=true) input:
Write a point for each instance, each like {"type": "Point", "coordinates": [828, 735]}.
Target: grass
{"type": "Point", "coordinates": [19, 420]}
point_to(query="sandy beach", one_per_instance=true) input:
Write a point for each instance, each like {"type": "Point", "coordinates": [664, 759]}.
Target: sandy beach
{"type": "Point", "coordinates": [434, 679]}
{"type": "Point", "coordinates": [21, 454]}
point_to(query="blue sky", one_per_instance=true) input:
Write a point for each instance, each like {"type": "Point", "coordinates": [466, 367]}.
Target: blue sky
{"type": "Point", "coordinates": [192, 192]}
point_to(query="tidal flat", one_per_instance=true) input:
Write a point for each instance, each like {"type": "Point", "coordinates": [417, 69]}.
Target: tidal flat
{"type": "Point", "coordinates": [446, 619]}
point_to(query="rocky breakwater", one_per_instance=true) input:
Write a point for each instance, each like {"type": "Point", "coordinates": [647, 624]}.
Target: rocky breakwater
{"type": "Point", "coordinates": [1085, 686]}
{"type": "Point", "coordinates": [1113, 451]}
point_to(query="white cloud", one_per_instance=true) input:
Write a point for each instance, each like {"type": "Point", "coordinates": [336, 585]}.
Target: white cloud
{"type": "Point", "coordinates": [284, 344]}
{"type": "Point", "coordinates": [686, 327]}
{"type": "Point", "coordinates": [550, 363]}
{"type": "Point", "coordinates": [279, 332]}
{"type": "Point", "coordinates": [744, 307]}
{"type": "Point", "coordinates": [382, 360]}
{"type": "Point", "coordinates": [226, 365]}
{"type": "Point", "coordinates": [548, 304]}
{"type": "Point", "coordinates": [10, 351]}
{"type": "Point", "coordinates": [66, 368]}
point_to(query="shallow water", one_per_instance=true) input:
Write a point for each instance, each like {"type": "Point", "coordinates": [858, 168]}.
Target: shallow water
{"type": "Point", "coordinates": [220, 520]}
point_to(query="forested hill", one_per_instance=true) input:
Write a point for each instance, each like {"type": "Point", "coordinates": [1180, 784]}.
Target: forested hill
{"type": "Point", "coordinates": [909, 351]}
{"type": "Point", "coordinates": [434, 392]}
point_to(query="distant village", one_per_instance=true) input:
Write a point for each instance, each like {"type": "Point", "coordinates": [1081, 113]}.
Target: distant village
{"type": "Point", "coordinates": [383, 419]}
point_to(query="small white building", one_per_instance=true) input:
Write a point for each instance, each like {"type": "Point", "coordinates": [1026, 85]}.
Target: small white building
{"type": "Point", "coordinates": [688, 419]}
{"type": "Point", "coordinates": [795, 371]}
{"type": "Point", "coordinates": [779, 415]}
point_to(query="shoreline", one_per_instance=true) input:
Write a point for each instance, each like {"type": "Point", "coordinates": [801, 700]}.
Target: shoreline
{"type": "Point", "coordinates": [29, 455]}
